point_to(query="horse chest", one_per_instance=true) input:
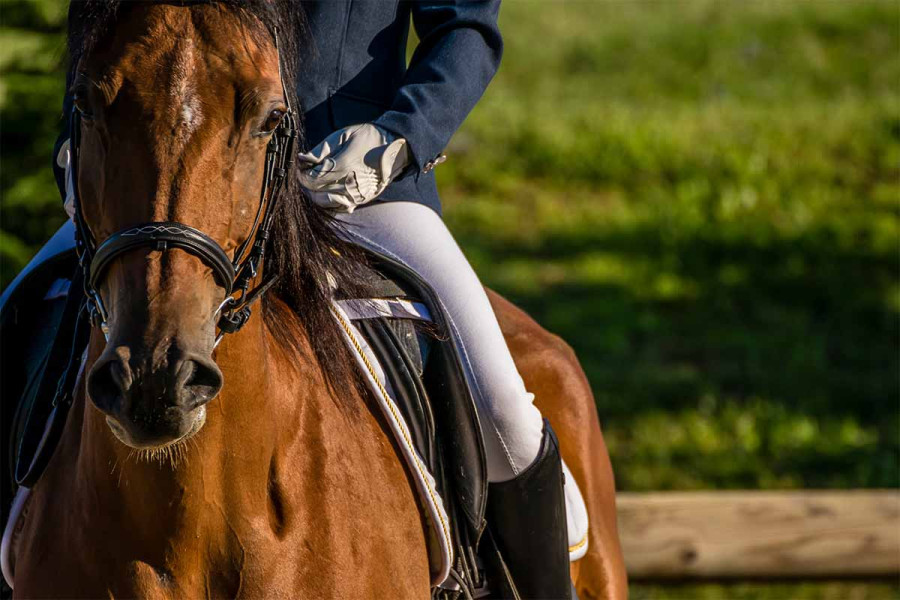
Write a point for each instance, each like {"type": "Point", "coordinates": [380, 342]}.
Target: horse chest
{"type": "Point", "coordinates": [334, 518]}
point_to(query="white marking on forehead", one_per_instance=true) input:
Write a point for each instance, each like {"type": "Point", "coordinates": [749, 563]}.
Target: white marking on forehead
{"type": "Point", "coordinates": [183, 93]}
{"type": "Point", "coordinates": [187, 112]}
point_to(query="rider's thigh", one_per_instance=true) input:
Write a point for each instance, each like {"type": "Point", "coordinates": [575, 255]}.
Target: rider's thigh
{"type": "Point", "coordinates": [415, 235]}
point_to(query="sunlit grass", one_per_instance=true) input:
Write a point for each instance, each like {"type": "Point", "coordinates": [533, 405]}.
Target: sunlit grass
{"type": "Point", "coordinates": [819, 590]}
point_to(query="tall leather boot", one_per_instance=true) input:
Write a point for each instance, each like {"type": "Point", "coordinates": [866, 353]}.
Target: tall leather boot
{"type": "Point", "coordinates": [527, 520]}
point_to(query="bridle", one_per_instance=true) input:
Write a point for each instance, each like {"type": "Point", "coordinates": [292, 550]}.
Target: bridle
{"type": "Point", "coordinates": [234, 275]}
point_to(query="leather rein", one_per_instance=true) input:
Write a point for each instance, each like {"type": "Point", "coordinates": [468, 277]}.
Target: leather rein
{"type": "Point", "coordinates": [234, 275]}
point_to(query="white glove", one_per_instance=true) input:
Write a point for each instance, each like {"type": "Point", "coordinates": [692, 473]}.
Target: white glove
{"type": "Point", "coordinates": [352, 166]}
{"type": "Point", "coordinates": [64, 161]}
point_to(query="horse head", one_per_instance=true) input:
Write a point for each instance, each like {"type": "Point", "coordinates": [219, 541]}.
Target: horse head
{"type": "Point", "coordinates": [177, 105]}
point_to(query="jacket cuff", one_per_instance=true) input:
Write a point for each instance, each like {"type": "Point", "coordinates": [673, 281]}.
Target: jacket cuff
{"type": "Point", "coordinates": [423, 149]}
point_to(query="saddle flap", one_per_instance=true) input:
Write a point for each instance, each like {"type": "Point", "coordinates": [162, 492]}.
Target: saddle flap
{"type": "Point", "coordinates": [455, 418]}
{"type": "Point", "coordinates": [404, 374]}
{"type": "Point", "coordinates": [40, 331]}
{"type": "Point", "coordinates": [439, 530]}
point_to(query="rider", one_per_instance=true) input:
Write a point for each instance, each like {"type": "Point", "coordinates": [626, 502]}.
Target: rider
{"type": "Point", "coordinates": [378, 128]}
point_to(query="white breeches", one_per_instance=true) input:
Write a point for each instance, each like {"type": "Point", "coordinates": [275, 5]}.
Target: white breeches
{"type": "Point", "coordinates": [512, 426]}
{"type": "Point", "coordinates": [416, 236]}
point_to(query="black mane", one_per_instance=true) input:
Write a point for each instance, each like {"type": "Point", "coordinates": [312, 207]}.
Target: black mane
{"type": "Point", "coordinates": [304, 249]}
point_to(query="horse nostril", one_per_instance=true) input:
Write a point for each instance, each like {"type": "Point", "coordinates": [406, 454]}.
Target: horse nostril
{"type": "Point", "coordinates": [108, 383]}
{"type": "Point", "coordinates": [200, 379]}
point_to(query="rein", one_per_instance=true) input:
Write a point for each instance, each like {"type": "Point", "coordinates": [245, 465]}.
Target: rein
{"type": "Point", "coordinates": [234, 275]}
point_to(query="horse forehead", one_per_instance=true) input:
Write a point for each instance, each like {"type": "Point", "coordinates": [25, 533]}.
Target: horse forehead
{"type": "Point", "coordinates": [184, 62]}
{"type": "Point", "coordinates": [173, 59]}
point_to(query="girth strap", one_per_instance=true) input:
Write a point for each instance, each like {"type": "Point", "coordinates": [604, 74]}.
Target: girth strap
{"type": "Point", "coordinates": [162, 236]}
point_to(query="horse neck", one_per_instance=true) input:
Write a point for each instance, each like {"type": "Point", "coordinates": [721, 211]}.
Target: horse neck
{"type": "Point", "coordinates": [280, 474]}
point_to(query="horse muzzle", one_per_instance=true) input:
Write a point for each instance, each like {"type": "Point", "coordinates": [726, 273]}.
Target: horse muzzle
{"type": "Point", "coordinates": [151, 402]}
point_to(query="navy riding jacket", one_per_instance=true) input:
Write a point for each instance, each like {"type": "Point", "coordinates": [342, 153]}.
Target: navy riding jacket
{"type": "Point", "coordinates": [357, 73]}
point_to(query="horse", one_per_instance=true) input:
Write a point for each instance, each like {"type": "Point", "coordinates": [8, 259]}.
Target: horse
{"type": "Point", "coordinates": [257, 466]}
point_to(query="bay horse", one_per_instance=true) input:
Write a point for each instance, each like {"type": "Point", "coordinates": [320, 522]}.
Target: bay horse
{"type": "Point", "coordinates": [287, 484]}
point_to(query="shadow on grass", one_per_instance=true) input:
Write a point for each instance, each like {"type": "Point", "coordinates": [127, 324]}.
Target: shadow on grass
{"type": "Point", "coordinates": [799, 336]}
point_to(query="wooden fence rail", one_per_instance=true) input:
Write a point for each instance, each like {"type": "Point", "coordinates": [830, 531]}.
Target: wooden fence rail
{"type": "Point", "coordinates": [761, 534]}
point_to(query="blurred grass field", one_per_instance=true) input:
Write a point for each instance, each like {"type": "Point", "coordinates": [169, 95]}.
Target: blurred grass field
{"type": "Point", "coordinates": [701, 197]}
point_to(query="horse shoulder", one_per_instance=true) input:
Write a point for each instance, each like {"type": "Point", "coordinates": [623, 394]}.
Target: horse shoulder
{"type": "Point", "coordinates": [358, 524]}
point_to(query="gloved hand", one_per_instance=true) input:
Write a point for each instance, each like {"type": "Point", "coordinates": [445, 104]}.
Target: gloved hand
{"type": "Point", "coordinates": [352, 166]}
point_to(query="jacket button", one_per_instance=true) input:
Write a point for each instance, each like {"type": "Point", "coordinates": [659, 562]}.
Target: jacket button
{"type": "Point", "coordinates": [431, 164]}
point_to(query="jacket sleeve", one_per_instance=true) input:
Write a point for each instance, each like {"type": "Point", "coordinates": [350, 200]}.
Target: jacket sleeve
{"type": "Point", "coordinates": [458, 53]}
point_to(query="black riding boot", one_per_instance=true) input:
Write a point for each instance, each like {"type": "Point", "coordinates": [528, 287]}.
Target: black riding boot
{"type": "Point", "coordinates": [527, 519]}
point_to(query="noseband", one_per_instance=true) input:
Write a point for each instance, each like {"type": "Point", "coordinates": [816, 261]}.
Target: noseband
{"type": "Point", "coordinates": [234, 275]}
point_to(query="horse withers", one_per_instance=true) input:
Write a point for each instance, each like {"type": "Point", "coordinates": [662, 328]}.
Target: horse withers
{"type": "Point", "coordinates": [257, 467]}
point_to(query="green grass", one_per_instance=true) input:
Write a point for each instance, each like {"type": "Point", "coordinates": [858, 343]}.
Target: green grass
{"type": "Point", "coordinates": [701, 197]}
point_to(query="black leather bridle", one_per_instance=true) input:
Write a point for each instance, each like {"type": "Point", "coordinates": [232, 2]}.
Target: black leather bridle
{"type": "Point", "coordinates": [232, 274]}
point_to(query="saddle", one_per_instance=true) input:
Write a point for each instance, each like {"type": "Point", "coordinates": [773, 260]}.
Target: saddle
{"type": "Point", "coordinates": [404, 330]}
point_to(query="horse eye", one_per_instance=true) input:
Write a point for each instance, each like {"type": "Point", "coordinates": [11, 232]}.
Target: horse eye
{"type": "Point", "coordinates": [273, 120]}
